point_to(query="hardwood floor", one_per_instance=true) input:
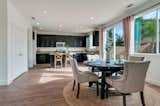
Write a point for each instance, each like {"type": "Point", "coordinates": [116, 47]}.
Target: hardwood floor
{"type": "Point", "coordinates": [38, 87]}
{"type": "Point", "coordinates": [41, 86]}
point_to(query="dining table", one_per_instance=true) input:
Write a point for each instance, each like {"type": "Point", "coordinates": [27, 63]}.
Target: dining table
{"type": "Point", "coordinates": [106, 70]}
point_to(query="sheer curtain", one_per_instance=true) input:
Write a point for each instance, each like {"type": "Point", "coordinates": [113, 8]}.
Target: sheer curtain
{"type": "Point", "coordinates": [127, 33]}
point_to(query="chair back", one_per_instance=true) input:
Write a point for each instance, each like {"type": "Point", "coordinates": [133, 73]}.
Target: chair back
{"type": "Point", "coordinates": [135, 58]}
{"type": "Point", "coordinates": [75, 69]}
{"type": "Point", "coordinates": [135, 73]}
{"type": "Point", "coordinates": [58, 56]}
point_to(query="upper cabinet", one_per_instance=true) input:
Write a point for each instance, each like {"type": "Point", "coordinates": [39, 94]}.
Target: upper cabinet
{"type": "Point", "coordinates": [70, 41]}
{"type": "Point", "coordinates": [96, 38]}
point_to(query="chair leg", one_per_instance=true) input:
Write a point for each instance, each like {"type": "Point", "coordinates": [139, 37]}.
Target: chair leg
{"type": "Point", "coordinates": [55, 64]}
{"type": "Point", "coordinates": [97, 88]}
{"type": "Point", "coordinates": [73, 85]}
{"type": "Point", "coordinates": [116, 74]}
{"type": "Point", "coordinates": [90, 84]}
{"type": "Point", "coordinates": [61, 64]}
{"type": "Point", "coordinates": [142, 98]}
{"type": "Point", "coordinates": [78, 90]}
{"type": "Point", "coordinates": [124, 100]}
{"type": "Point", "coordinates": [107, 90]}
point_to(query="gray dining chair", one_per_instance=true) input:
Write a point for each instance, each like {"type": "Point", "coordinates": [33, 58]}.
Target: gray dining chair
{"type": "Point", "coordinates": [130, 58]}
{"type": "Point", "coordinates": [135, 58]}
{"type": "Point", "coordinates": [82, 77]}
{"type": "Point", "coordinates": [133, 79]}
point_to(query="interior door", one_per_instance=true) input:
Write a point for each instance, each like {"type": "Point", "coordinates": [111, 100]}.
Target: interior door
{"type": "Point", "coordinates": [20, 50]}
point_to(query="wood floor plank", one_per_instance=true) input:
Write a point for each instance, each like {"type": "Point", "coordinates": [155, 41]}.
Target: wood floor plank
{"type": "Point", "coordinates": [38, 87]}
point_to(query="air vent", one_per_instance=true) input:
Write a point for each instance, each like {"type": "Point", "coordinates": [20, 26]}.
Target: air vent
{"type": "Point", "coordinates": [33, 18]}
{"type": "Point", "coordinates": [130, 5]}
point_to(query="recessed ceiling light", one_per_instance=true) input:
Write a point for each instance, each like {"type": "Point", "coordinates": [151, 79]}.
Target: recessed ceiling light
{"type": "Point", "coordinates": [40, 28]}
{"type": "Point", "coordinates": [91, 18]}
{"type": "Point", "coordinates": [44, 12]}
{"type": "Point", "coordinates": [60, 25]}
{"type": "Point", "coordinates": [81, 27]}
{"type": "Point", "coordinates": [38, 23]}
{"type": "Point", "coordinates": [59, 29]}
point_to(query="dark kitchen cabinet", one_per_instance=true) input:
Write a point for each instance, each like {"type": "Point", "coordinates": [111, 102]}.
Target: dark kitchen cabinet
{"type": "Point", "coordinates": [70, 41]}
{"type": "Point", "coordinates": [96, 38]}
{"type": "Point", "coordinates": [43, 58]}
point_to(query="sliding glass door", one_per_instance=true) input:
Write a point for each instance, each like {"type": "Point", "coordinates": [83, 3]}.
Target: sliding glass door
{"type": "Point", "coordinates": [114, 46]}
{"type": "Point", "coordinates": [119, 41]}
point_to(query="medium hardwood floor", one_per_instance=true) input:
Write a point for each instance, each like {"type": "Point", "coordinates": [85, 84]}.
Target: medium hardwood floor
{"type": "Point", "coordinates": [40, 86]}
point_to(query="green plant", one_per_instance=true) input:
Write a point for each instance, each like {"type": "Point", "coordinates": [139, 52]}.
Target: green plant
{"type": "Point", "coordinates": [119, 40]}
{"type": "Point", "coordinates": [149, 30]}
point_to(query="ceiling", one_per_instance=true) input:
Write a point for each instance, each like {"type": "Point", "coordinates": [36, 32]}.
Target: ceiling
{"type": "Point", "coordinates": [73, 16]}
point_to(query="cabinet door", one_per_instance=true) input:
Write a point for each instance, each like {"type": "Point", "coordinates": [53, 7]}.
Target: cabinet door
{"type": "Point", "coordinates": [96, 38]}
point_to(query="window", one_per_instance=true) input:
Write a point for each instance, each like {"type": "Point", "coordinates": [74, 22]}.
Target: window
{"type": "Point", "coordinates": [115, 41]}
{"type": "Point", "coordinates": [145, 33]}
{"type": "Point", "coordinates": [119, 37]}
{"type": "Point", "coordinates": [87, 41]}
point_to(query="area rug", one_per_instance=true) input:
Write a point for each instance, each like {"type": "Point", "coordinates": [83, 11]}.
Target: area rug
{"type": "Point", "coordinates": [88, 97]}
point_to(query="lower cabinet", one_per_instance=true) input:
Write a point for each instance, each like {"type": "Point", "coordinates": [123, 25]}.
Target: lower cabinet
{"type": "Point", "coordinates": [49, 59]}
{"type": "Point", "coordinates": [81, 57]}
{"type": "Point", "coordinates": [43, 58]}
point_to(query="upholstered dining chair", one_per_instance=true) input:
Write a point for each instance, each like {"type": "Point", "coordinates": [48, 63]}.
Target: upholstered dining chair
{"type": "Point", "coordinates": [82, 77]}
{"type": "Point", "coordinates": [135, 58]}
{"type": "Point", "coordinates": [131, 58]}
{"type": "Point", "coordinates": [133, 79]}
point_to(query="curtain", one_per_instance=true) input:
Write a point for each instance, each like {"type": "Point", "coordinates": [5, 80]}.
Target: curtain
{"type": "Point", "coordinates": [127, 34]}
{"type": "Point", "coordinates": [137, 33]}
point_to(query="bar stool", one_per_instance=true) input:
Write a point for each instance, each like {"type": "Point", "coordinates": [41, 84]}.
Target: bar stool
{"type": "Point", "coordinates": [67, 59]}
{"type": "Point", "coordinates": [58, 60]}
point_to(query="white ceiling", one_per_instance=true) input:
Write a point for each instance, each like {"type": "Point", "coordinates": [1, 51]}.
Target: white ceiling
{"type": "Point", "coordinates": [73, 16]}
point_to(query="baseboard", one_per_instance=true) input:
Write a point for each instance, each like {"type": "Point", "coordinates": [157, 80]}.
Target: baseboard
{"type": "Point", "coordinates": [7, 83]}
{"type": "Point", "coordinates": [154, 82]}
{"type": "Point", "coordinates": [3, 83]}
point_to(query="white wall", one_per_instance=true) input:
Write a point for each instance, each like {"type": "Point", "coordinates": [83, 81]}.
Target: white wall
{"type": "Point", "coordinates": [101, 46]}
{"type": "Point", "coordinates": [3, 42]}
{"type": "Point", "coordinates": [91, 40]}
{"type": "Point", "coordinates": [31, 48]}
{"type": "Point", "coordinates": [34, 45]}
{"type": "Point", "coordinates": [18, 30]}
{"type": "Point", "coordinates": [60, 33]}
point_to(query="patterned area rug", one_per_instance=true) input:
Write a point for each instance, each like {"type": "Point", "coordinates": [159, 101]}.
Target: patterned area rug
{"type": "Point", "coordinates": [88, 97]}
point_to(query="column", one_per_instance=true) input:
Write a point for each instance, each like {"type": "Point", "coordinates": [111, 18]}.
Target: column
{"type": "Point", "coordinates": [3, 42]}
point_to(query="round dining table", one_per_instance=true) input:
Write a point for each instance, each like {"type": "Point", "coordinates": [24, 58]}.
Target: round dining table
{"type": "Point", "coordinates": [106, 69]}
